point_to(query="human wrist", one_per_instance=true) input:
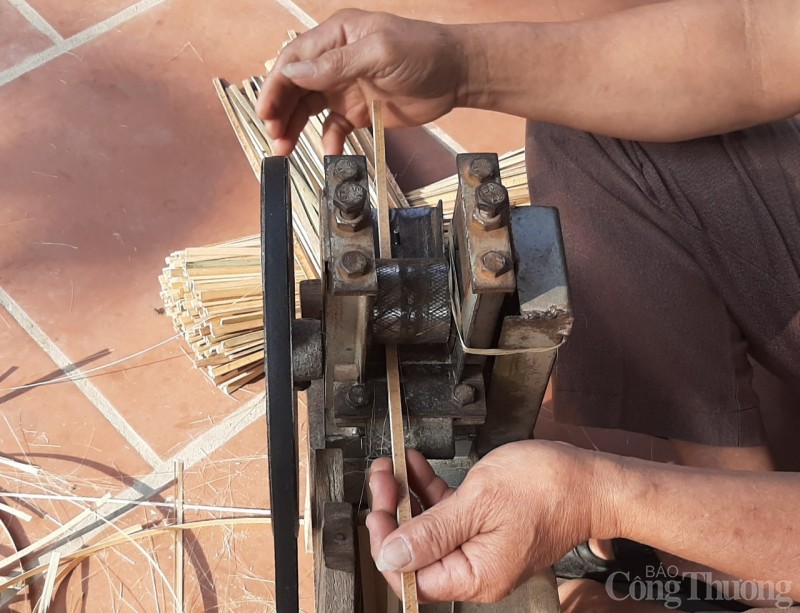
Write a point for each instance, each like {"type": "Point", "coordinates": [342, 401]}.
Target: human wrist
{"type": "Point", "coordinates": [612, 485]}
{"type": "Point", "coordinates": [472, 64]}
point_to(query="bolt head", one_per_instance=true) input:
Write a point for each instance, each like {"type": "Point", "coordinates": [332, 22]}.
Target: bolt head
{"type": "Point", "coordinates": [482, 169]}
{"type": "Point", "coordinates": [491, 198]}
{"type": "Point", "coordinates": [495, 263]}
{"type": "Point", "coordinates": [464, 394]}
{"type": "Point", "coordinates": [359, 395]}
{"type": "Point", "coordinates": [349, 198]}
{"type": "Point", "coordinates": [346, 169]}
{"type": "Point", "coordinates": [354, 264]}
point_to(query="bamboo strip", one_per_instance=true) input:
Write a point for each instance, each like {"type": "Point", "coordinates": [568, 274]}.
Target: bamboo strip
{"type": "Point", "coordinates": [51, 537]}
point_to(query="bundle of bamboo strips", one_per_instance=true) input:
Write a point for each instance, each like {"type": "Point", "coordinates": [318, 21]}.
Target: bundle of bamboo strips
{"type": "Point", "coordinates": [514, 178]}
{"type": "Point", "coordinates": [214, 297]}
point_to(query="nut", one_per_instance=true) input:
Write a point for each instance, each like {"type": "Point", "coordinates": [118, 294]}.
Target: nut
{"type": "Point", "coordinates": [346, 169]}
{"type": "Point", "coordinates": [495, 263]}
{"type": "Point", "coordinates": [352, 225]}
{"type": "Point", "coordinates": [359, 395]}
{"type": "Point", "coordinates": [354, 264]}
{"type": "Point", "coordinates": [491, 198]}
{"type": "Point", "coordinates": [487, 222]}
{"type": "Point", "coordinates": [349, 198]}
{"type": "Point", "coordinates": [482, 169]}
{"type": "Point", "coordinates": [464, 394]}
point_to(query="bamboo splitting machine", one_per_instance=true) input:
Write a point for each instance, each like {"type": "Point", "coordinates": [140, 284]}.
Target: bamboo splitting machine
{"type": "Point", "coordinates": [476, 309]}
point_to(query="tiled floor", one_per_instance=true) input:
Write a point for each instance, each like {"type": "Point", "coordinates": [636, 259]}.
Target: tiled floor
{"type": "Point", "coordinates": [114, 152]}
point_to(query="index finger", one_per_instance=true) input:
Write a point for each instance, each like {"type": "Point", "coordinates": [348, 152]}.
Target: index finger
{"type": "Point", "coordinates": [279, 96]}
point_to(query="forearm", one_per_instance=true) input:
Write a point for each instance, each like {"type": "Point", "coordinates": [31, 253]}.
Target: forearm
{"type": "Point", "coordinates": [742, 524]}
{"type": "Point", "coordinates": [667, 71]}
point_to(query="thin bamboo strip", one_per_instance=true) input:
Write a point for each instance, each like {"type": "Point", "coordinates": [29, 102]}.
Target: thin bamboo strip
{"type": "Point", "coordinates": [49, 538]}
{"type": "Point", "coordinates": [132, 536]}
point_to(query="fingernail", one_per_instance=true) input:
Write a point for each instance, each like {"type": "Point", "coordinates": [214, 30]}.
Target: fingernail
{"type": "Point", "coordinates": [394, 555]}
{"type": "Point", "coordinates": [299, 70]}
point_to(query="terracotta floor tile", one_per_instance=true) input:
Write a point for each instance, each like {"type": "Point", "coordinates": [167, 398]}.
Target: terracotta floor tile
{"type": "Point", "coordinates": [128, 157]}
{"type": "Point", "coordinates": [237, 475]}
{"type": "Point", "coordinates": [55, 427]}
{"type": "Point", "coordinates": [71, 17]}
{"type": "Point", "coordinates": [18, 38]}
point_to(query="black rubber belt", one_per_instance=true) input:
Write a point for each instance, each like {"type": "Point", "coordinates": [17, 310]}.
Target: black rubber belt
{"type": "Point", "coordinates": [277, 262]}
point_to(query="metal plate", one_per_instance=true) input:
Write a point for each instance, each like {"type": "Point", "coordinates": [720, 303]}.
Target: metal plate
{"type": "Point", "coordinates": [277, 262]}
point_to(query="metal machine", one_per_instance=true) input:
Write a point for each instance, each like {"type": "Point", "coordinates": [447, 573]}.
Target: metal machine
{"type": "Point", "coordinates": [477, 309]}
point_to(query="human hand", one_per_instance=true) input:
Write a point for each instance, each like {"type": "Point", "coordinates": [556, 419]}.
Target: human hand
{"type": "Point", "coordinates": [417, 68]}
{"type": "Point", "coordinates": [518, 511]}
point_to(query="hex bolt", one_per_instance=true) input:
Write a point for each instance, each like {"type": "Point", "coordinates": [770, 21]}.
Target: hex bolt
{"type": "Point", "coordinates": [349, 198]}
{"type": "Point", "coordinates": [491, 198]}
{"type": "Point", "coordinates": [495, 263]}
{"type": "Point", "coordinates": [464, 394]}
{"type": "Point", "coordinates": [359, 395]}
{"type": "Point", "coordinates": [354, 264]}
{"type": "Point", "coordinates": [482, 169]}
{"type": "Point", "coordinates": [346, 169]}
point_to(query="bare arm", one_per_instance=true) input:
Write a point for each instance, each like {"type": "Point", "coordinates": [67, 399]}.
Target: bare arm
{"type": "Point", "coordinates": [740, 523]}
{"type": "Point", "coordinates": [667, 71]}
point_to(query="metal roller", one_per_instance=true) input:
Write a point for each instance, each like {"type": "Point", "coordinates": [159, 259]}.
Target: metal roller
{"type": "Point", "coordinates": [413, 301]}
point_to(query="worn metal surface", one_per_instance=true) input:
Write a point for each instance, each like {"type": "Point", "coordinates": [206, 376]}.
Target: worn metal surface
{"type": "Point", "coordinates": [519, 381]}
{"type": "Point", "coordinates": [427, 392]}
{"type": "Point", "coordinates": [347, 296]}
{"type": "Point", "coordinates": [482, 253]}
{"type": "Point", "coordinates": [306, 350]}
{"type": "Point", "coordinates": [413, 302]}
{"type": "Point", "coordinates": [431, 436]}
{"type": "Point", "coordinates": [417, 232]}
{"type": "Point", "coordinates": [278, 275]}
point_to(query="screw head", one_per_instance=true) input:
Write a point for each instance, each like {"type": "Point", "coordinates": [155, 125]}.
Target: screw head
{"type": "Point", "coordinates": [464, 394]}
{"type": "Point", "coordinates": [491, 198]}
{"type": "Point", "coordinates": [481, 168]}
{"type": "Point", "coordinates": [346, 169]}
{"type": "Point", "coordinates": [349, 198]}
{"type": "Point", "coordinates": [495, 263]}
{"type": "Point", "coordinates": [354, 264]}
{"type": "Point", "coordinates": [339, 537]}
{"type": "Point", "coordinates": [359, 395]}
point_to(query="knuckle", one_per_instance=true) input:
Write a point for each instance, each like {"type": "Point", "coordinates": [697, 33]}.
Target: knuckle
{"type": "Point", "coordinates": [383, 43]}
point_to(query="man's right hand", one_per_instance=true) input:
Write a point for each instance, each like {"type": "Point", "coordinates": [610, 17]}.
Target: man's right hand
{"type": "Point", "coordinates": [418, 68]}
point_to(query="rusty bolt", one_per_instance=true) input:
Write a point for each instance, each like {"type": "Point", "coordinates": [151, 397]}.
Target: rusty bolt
{"type": "Point", "coordinates": [464, 394]}
{"type": "Point", "coordinates": [346, 169]}
{"type": "Point", "coordinates": [482, 169]}
{"type": "Point", "coordinates": [359, 395]}
{"type": "Point", "coordinates": [354, 264]}
{"type": "Point", "coordinates": [349, 198]}
{"type": "Point", "coordinates": [491, 198]}
{"type": "Point", "coordinates": [495, 263]}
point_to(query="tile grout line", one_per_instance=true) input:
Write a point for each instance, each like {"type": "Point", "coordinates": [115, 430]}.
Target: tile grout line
{"type": "Point", "coordinates": [68, 44]}
{"type": "Point", "coordinates": [37, 21]}
{"type": "Point", "coordinates": [303, 17]}
{"type": "Point", "coordinates": [163, 474]}
{"type": "Point", "coordinates": [89, 390]}
{"type": "Point", "coordinates": [438, 133]}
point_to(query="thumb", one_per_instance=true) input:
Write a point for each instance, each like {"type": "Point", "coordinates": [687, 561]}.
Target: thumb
{"type": "Point", "coordinates": [429, 537]}
{"type": "Point", "coordinates": [340, 65]}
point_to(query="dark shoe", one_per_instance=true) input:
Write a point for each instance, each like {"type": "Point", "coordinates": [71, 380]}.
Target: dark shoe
{"type": "Point", "coordinates": [582, 563]}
